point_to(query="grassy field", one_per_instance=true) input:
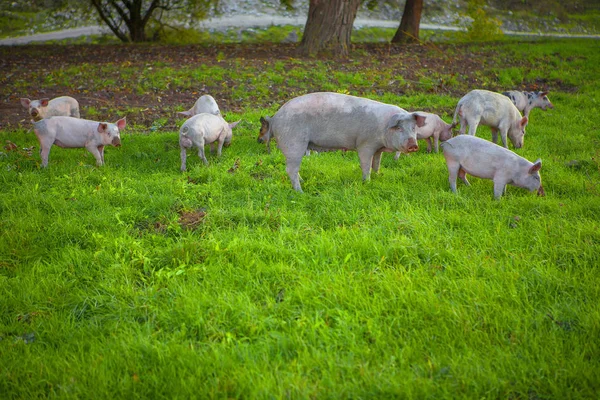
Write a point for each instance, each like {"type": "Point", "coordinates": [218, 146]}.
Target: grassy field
{"type": "Point", "coordinates": [135, 280]}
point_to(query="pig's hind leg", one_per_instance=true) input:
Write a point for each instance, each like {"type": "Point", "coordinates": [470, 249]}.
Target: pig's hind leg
{"type": "Point", "coordinates": [453, 172]}
{"type": "Point", "coordinates": [462, 174]}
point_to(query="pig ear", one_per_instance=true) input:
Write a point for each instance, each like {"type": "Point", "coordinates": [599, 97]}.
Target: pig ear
{"type": "Point", "coordinates": [395, 121]}
{"type": "Point", "coordinates": [102, 126]}
{"type": "Point", "coordinates": [25, 102]}
{"type": "Point", "coordinates": [542, 94]}
{"type": "Point", "coordinates": [536, 166]}
{"type": "Point", "coordinates": [524, 121]}
{"type": "Point", "coordinates": [121, 123]}
{"type": "Point", "coordinates": [419, 119]}
{"type": "Point", "coordinates": [234, 124]}
{"type": "Point", "coordinates": [44, 102]}
{"type": "Point", "coordinates": [185, 113]}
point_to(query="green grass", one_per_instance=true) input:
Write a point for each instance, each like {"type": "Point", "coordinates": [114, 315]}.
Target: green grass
{"type": "Point", "coordinates": [137, 280]}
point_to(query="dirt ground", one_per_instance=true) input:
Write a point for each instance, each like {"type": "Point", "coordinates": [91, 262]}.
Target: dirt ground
{"type": "Point", "coordinates": [412, 62]}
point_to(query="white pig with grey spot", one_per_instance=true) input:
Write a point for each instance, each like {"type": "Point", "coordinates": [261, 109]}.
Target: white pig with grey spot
{"type": "Point", "coordinates": [332, 121]}
{"type": "Point", "coordinates": [527, 101]}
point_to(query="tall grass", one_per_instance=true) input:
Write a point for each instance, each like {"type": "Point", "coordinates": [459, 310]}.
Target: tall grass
{"type": "Point", "coordinates": [137, 280]}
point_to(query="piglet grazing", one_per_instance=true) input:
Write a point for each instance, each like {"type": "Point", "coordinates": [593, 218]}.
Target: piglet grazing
{"type": "Point", "coordinates": [527, 101]}
{"type": "Point", "coordinates": [204, 129]}
{"type": "Point", "coordinates": [493, 110]}
{"type": "Point", "coordinates": [205, 104]}
{"type": "Point", "coordinates": [471, 155]}
{"type": "Point", "coordinates": [69, 132]}
{"type": "Point", "coordinates": [434, 127]}
{"type": "Point", "coordinates": [45, 108]}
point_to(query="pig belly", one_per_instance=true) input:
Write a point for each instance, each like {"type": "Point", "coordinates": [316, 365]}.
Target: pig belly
{"type": "Point", "coordinates": [477, 167]}
{"type": "Point", "coordinates": [70, 140]}
{"type": "Point", "coordinates": [211, 136]}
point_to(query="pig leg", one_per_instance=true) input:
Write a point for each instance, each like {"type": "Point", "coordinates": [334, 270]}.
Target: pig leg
{"type": "Point", "coordinates": [503, 133]}
{"type": "Point", "coordinates": [101, 150]}
{"type": "Point", "coordinates": [365, 155]}
{"type": "Point", "coordinates": [220, 145]}
{"type": "Point", "coordinates": [495, 135]}
{"type": "Point", "coordinates": [453, 168]}
{"type": "Point", "coordinates": [429, 145]}
{"type": "Point", "coordinates": [212, 148]}
{"type": "Point", "coordinates": [473, 123]}
{"type": "Point", "coordinates": [376, 161]}
{"type": "Point", "coordinates": [96, 153]}
{"type": "Point", "coordinates": [462, 174]}
{"type": "Point", "coordinates": [397, 156]}
{"type": "Point", "coordinates": [200, 144]}
{"type": "Point", "coordinates": [44, 152]}
{"type": "Point", "coordinates": [183, 158]}
{"type": "Point", "coordinates": [292, 168]}
{"type": "Point", "coordinates": [499, 188]}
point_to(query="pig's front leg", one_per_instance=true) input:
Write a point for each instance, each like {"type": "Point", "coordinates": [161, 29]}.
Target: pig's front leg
{"type": "Point", "coordinates": [212, 148]}
{"type": "Point", "coordinates": [365, 155]}
{"type": "Point", "coordinates": [376, 160]}
{"type": "Point", "coordinates": [44, 152]}
{"type": "Point", "coordinates": [503, 133]}
{"type": "Point", "coordinates": [292, 167]}
{"type": "Point", "coordinates": [101, 150]}
{"type": "Point", "coordinates": [495, 135]}
{"type": "Point", "coordinates": [429, 144]}
{"type": "Point", "coordinates": [220, 145]}
{"type": "Point", "coordinates": [183, 158]}
{"type": "Point", "coordinates": [397, 156]}
{"type": "Point", "coordinates": [96, 153]}
{"type": "Point", "coordinates": [499, 188]}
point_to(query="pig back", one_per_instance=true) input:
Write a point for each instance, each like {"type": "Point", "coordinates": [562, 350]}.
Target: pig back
{"type": "Point", "coordinates": [332, 120]}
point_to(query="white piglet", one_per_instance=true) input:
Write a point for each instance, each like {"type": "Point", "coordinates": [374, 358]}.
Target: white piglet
{"type": "Point", "coordinates": [71, 133]}
{"type": "Point", "coordinates": [45, 108]}
{"type": "Point", "coordinates": [204, 129]}
{"type": "Point", "coordinates": [494, 110]}
{"type": "Point", "coordinates": [471, 155]}
{"type": "Point", "coordinates": [435, 128]}
{"type": "Point", "coordinates": [205, 104]}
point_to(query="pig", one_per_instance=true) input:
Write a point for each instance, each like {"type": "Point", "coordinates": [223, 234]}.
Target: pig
{"type": "Point", "coordinates": [325, 121]}
{"type": "Point", "coordinates": [436, 127]}
{"type": "Point", "coordinates": [205, 104]}
{"type": "Point", "coordinates": [494, 110]}
{"type": "Point", "coordinates": [204, 129]}
{"type": "Point", "coordinates": [61, 106]}
{"type": "Point", "coordinates": [466, 154]}
{"type": "Point", "coordinates": [70, 132]}
{"type": "Point", "coordinates": [527, 101]}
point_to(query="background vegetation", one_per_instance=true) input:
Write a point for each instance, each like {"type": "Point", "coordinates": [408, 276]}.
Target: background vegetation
{"type": "Point", "coordinates": [136, 280]}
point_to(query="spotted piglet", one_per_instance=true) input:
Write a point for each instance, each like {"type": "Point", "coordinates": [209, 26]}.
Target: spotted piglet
{"type": "Point", "coordinates": [527, 101]}
{"type": "Point", "coordinates": [434, 127]}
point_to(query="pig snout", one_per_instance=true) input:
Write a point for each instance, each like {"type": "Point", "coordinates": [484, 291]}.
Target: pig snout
{"type": "Point", "coordinates": [411, 145]}
{"type": "Point", "coordinates": [260, 139]}
{"type": "Point", "coordinates": [541, 191]}
{"type": "Point", "coordinates": [116, 142]}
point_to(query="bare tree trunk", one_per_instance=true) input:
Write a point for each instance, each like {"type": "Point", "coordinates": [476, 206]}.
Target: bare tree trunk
{"type": "Point", "coordinates": [408, 31]}
{"type": "Point", "coordinates": [329, 27]}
